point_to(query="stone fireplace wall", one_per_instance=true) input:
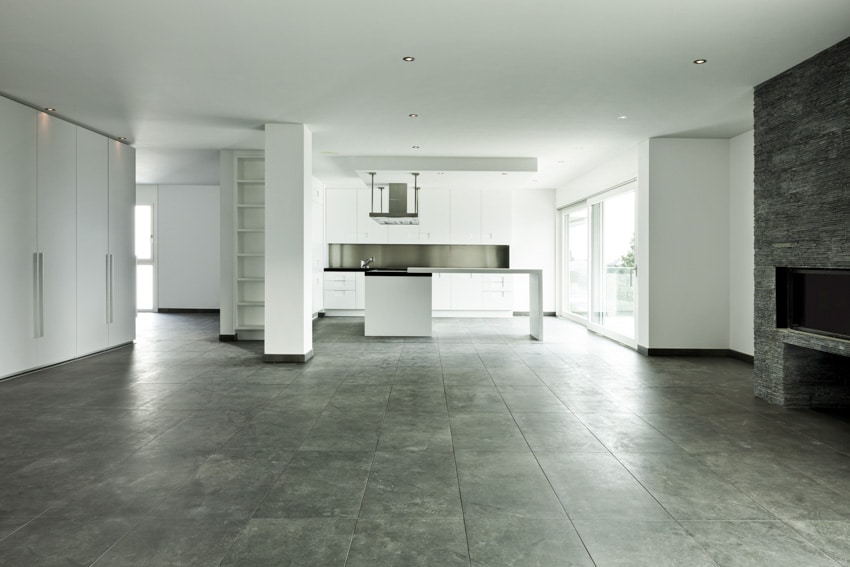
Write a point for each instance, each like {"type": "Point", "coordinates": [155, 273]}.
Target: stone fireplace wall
{"type": "Point", "coordinates": [802, 219]}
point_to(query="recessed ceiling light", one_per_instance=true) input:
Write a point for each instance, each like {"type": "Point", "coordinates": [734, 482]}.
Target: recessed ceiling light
{"type": "Point", "coordinates": [700, 61]}
{"type": "Point", "coordinates": [409, 59]}
{"type": "Point", "coordinates": [122, 138]}
{"type": "Point", "coordinates": [50, 109]}
{"type": "Point", "coordinates": [622, 117]}
{"type": "Point", "coordinates": [412, 115]}
{"type": "Point", "coordinates": [415, 147]}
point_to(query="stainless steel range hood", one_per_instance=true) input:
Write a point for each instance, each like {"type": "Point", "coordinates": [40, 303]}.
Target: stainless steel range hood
{"type": "Point", "coordinates": [397, 212]}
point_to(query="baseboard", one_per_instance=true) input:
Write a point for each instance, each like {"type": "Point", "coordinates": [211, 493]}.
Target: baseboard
{"type": "Point", "coordinates": [298, 358]}
{"type": "Point", "coordinates": [185, 310]}
{"type": "Point", "coordinates": [227, 338]}
{"type": "Point", "coordinates": [742, 356]}
{"type": "Point", "coordinates": [695, 352]}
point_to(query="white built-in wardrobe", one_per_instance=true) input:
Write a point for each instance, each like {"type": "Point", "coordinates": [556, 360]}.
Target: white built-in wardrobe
{"type": "Point", "coordinates": [67, 264]}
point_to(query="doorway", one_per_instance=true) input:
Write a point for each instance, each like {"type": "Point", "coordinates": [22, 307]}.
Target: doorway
{"type": "Point", "coordinates": [599, 273]}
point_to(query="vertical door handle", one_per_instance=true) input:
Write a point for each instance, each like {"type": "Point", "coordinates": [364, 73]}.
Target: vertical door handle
{"type": "Point", "coordinates": [37, 295]}
{"type": "Point", "coordinates": [109, 289]}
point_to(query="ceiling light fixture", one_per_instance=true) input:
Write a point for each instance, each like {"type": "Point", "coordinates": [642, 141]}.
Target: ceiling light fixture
{"type": "Point", "coordinates": [700, 61]}
{"type": "Point", "coordinates": [413, 115]}
{"type": "Point", "coordinates": [408, 59]}
{"type": "Point", "coordinates": [50, 109]}
{"type": "Point", "coordinates": [622, 117]}
{"type": "Point", "coordinates": [122, 139]}
{"type": "Point", "coordinates": [415, 147]}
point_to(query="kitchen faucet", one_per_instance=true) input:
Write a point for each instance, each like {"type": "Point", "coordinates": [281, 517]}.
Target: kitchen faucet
{"type": "Point", "coordinates": [365, 263]}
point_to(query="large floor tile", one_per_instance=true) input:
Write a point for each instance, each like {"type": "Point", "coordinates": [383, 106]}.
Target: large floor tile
{"type": "Point", "coordinates": [319, 484]}
{"type": "Point", "coordinates": [303, 542]}
{"type": "Point", "coordinates": [337, 430]}
{"type": "Point", "coordinates": [412, 484]}
{"type": "Point", "coordinates": [623, 543]}
{"type": "Point", "coordinates": [595, 486]}
{"type": "Point", "coordinates": [409, 542]}
{"type": "Point", "coordinates": [689, 490]}
{"type": "Point", "coordinates": [486, 432]}
{"type": "Point", "coordinates": [49, 541]}
{"type": "Point", "coordinates": [557, 432]}
{"type": "Point", "coordinates": [750, 544]}
{"type": "Point", "coordinates": [525, 541]}
{"type": "Point", "coordinates": [415, 431]}
{"type": "Point", "coordinates": [505, 484]}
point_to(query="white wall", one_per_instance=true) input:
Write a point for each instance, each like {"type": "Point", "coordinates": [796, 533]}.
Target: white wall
{"type": "Point", "coordinates": [188, 246]}
{"type": "Point", "coordinates": [685, 253]}
{"type": "Point", "coordinates": [533, 240]}
{"type": "Point", "coordinates": [613, 172]}
{"type": "Point", "coordinates": [741, 243]}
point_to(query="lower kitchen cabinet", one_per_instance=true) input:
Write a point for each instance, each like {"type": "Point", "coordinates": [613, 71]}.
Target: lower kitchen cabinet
{"type": "Point", "coordinates": [344, 292]}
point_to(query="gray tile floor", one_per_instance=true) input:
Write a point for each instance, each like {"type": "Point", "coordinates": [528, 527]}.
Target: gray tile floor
{"type": "Point", "coordinates": [477, 447]}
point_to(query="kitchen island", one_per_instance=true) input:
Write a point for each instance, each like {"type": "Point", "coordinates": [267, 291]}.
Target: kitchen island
{"type": "Point", "coordinates": [535, 289]}
{"type": "Point", "coordinates": [398, 304]}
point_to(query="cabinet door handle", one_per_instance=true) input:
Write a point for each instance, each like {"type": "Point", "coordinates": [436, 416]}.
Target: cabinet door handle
{"type": "Point", "coordinates": [38, 294]}
{"type": "Point", "coordinates": [109, 304]}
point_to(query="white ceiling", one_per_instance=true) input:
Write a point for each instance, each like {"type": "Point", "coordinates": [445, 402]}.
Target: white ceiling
{"type": "Point", "coordinates": [544, 79]}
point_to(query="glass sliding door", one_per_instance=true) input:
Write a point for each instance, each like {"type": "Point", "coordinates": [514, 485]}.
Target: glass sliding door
{"type": "Point", "coordinates": [599, 278]}
{"type": "Point", "coordinates": [576, 300]}
{"type": "Point", "coordinates": [613, 263]}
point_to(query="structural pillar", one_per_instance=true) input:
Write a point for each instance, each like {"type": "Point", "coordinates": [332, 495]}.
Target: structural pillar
{"type": "Point", "coordinates": [288, 254]}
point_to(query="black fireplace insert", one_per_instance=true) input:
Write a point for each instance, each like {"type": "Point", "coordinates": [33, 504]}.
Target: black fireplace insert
{"type": "Point", "coordinates": [814, 300]}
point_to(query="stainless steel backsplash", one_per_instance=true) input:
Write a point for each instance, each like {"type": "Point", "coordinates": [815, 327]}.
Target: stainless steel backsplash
{"type": "Point", "coordinates": [420, 255]}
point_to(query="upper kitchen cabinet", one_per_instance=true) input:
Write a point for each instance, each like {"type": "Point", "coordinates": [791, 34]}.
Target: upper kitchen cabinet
{"type": "Point", "coordinates": [434, 218]}
{"type": "Point", "coordinates": [496, 216]}
{"type": "Point", "coordinates": [341, 216]}
{"type": "Point", "coordinates": [92, 241]}
{"type": "Point", "coordinates": [121, 288]}
{"type": "Point", "coordinates": [465, 216]}
{"type": "Point", "coordinates": [56, 287]}
{"type": "Point", "coordinates": [481, 216]}
{"type": "Point", "coordinates": [17, 236]}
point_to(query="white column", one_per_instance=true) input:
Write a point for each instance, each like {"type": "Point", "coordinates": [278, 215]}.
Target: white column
{"type": "Point", "coordinates": [288, 309]}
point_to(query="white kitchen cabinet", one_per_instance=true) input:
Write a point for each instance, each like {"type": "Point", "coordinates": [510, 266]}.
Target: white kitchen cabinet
{"type": "Point", "coordinates": [92, 241]}
{"type": "Point", "coordinates": [122, 255]}
{"type": "Point", "coordinates": [466, 291]}
{"type": "Point", "coordinates": [434, 216]}
{"type": "Point", "coordinates": [57, 239]}
{"type": "Point", "coordinates": [403, 234]}
{"type": "Point", "coordinates": [341, 216]}
{"type": "Point", "coordinates": [369, 231]}
{"type": "Point", "coordinates": [465, 216]}
{"type": "Point", "coordinates": [342, 290]}
{"type": "Point", "coordinates": [497, 292]}
{"type": "Point", "coordinates": [496, 216]}
{"type": "Point", "coordinates": [441, 292]}
{"type": "Point", "coordinates": [17, 236]}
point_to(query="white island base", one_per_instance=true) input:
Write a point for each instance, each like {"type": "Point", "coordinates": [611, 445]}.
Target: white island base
{"type": "Point", "coordinates": [398, 305]}
{"type": "Point", "coordinates": [535, 289]}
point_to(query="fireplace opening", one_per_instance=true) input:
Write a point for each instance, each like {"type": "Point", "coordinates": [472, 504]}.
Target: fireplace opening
{"type": "Point", "coordinates": [814, 300]}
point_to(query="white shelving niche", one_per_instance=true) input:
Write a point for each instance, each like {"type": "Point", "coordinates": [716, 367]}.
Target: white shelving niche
{"type": "Point", "coordinates": [250, 261]}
